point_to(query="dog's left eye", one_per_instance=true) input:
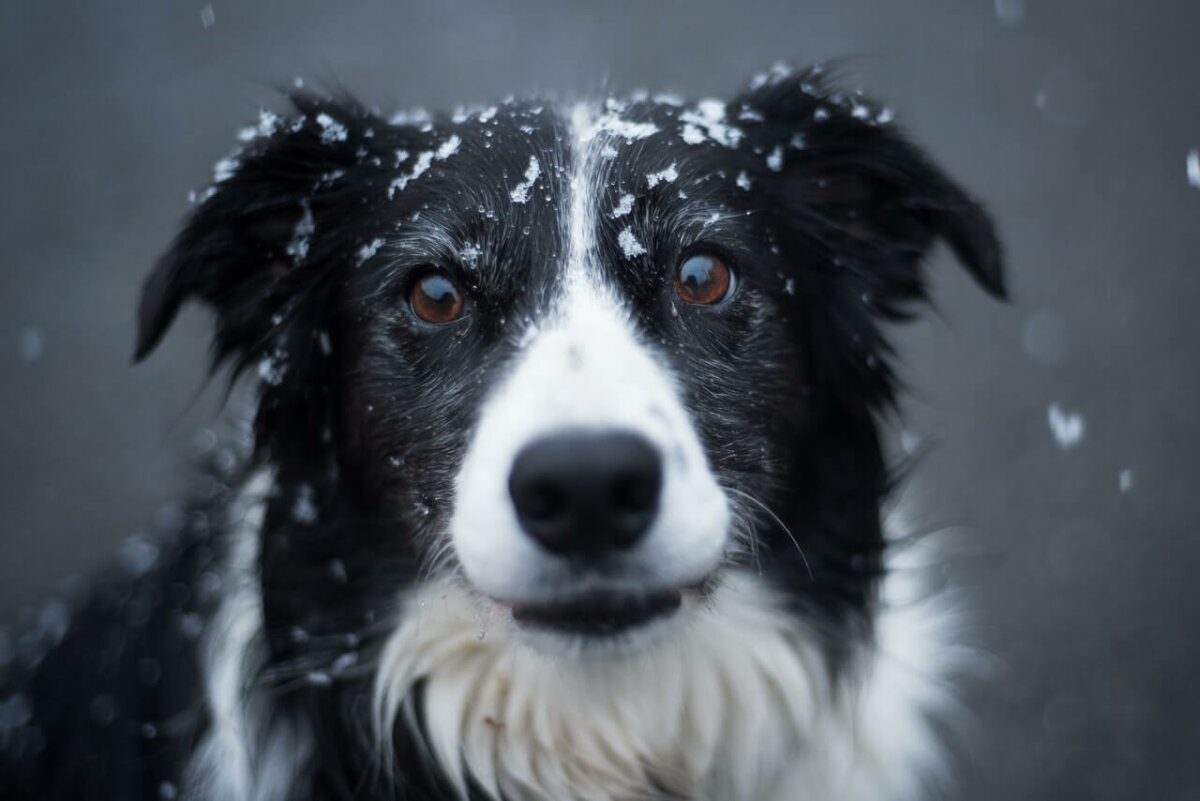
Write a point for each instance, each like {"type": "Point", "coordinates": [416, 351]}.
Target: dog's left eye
{"type": "Point", "coordinates": [703, 279]}
{"type": "Point", "coordinates": [435, 298]}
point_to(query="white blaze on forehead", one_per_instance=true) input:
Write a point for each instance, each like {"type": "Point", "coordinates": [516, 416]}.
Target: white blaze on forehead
{"type": "Point", "coordinates": [579, 224]}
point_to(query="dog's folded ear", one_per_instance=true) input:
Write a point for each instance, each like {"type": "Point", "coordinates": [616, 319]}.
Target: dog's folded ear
{"type": "Point", "coordinates": [252, 249]}
{"type": "Point", "coordinates": [839, 163]}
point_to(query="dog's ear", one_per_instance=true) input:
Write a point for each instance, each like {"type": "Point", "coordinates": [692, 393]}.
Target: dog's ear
{"type": "Point", "coordinates": [873, 200]}
{"type": "Point", "coordinates": [252, 250]}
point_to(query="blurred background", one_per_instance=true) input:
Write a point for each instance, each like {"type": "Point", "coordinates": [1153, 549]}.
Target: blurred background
{"type": "Point", "coordinates": [1059, 433]}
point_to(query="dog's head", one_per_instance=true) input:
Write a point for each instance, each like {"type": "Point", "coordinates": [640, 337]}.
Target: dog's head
{"type": "Point", "coordinates": [583, 361]}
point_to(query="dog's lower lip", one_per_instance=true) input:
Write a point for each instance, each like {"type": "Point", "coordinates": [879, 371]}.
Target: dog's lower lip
{"type": "Point", "coordinates": [599, 614]}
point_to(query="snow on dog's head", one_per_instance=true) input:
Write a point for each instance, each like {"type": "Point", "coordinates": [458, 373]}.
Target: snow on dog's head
{"type": "Point", "coordinates": [560, 394]}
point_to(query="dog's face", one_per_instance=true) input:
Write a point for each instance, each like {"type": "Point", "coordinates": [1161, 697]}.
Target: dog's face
{"type": "Point", "coordinates": [585, 360]}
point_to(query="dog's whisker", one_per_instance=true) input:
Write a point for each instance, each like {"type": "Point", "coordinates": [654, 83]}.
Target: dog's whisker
{"type": "Point", "coordinates": [782, 526]}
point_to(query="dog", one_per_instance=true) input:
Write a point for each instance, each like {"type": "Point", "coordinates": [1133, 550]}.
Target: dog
{"type": "Point", "coordinates": [566, 479]}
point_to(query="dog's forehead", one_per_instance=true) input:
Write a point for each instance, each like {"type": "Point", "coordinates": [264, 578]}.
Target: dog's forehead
{"type": "Point", "coordinates": [521, 169]}
{"type": "Point", "coordinates": [473, 162]}
{"type": "Point", "coordinates": [511, 148]}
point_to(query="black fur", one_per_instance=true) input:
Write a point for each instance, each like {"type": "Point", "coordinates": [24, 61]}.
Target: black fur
{"type": "Point", "coordinates": [365, 411]}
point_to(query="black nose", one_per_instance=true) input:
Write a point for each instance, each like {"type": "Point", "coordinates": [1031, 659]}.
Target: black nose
{"type": "Point", "coordinates": [584, 493]}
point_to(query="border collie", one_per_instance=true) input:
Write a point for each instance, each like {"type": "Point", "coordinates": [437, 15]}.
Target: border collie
{"type": "Point", "coordinates": [566, 478]}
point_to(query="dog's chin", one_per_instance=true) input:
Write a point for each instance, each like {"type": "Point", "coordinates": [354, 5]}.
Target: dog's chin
{"type": "Point", "coordinates": [600, 624]}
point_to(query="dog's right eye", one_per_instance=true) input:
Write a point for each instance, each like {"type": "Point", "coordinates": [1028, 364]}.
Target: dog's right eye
{"type": "Point", "coordinates": [435, 298]}
{"type": "Point", "coordinates": [703, 280]}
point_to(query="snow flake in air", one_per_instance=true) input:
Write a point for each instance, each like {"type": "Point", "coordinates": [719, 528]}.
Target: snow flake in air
{"type": "Point", "coordinates": [743, 181]}
{"type": "Point", "coordinates": [630, 246]}
{"type": "Point", "coordinates": [520, 192]}
{"type": "Point", "coordinates": [1067, 427]}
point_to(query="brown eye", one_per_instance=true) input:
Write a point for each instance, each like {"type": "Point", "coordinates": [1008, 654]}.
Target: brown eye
{"type": "Point", "coordinates": [703, 279]}
{"type": "Point", "coordinates": [436, 299]}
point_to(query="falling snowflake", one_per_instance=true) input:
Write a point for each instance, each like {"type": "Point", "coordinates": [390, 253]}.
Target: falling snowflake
{"type": "Point", "coordinates": [1067, 427]}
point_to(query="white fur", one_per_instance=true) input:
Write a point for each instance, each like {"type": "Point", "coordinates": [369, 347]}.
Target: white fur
{"type": "Point", "coordinates": [735, 706]}
{"type": "Point", "coordinates": [245, 755]}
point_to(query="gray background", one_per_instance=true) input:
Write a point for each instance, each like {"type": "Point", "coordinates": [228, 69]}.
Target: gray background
{"type": "Point", "coordinates": [1071, 118]}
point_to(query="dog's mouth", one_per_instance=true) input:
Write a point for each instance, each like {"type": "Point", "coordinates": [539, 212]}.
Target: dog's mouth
{"type": "Point", "coordinates": [599, 614]}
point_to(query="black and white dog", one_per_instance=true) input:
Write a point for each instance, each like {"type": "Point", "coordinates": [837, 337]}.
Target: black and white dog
{"type": "Point", "coordinates": [567, 470]}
